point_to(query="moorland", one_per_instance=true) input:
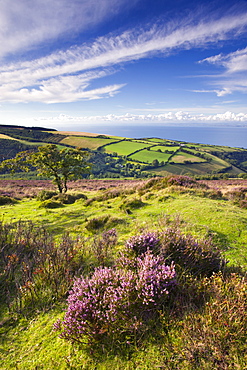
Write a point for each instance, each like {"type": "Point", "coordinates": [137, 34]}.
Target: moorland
{"type": "Point", "coordinates": [126, 273]}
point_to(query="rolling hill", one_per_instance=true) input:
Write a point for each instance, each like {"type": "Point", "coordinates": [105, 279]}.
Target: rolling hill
{"type": "Point", "coordinates": [117, 157]}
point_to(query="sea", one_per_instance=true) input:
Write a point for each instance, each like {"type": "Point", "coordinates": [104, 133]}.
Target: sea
{"type": "Point", "coordinates": [223, 136]}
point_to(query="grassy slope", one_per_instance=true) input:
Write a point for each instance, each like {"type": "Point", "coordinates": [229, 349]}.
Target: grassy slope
{"type": "Point", "coordinates": [129, 146]}
{"type": "Point", "coordinates": [34, 345]}
{"type": "Point", "coordinates": [180, 157]}
{"type": "Point", "coordinates": [226, 221]}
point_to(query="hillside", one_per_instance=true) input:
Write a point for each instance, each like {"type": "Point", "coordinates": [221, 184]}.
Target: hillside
{"type": "Point", "coordinates": [107, 226]}
{"type": "Point", "coordinates": [116, 157]}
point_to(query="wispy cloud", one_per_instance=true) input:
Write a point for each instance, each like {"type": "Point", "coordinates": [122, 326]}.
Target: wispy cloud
{"type": "Point", "coordinates": [66, 76]}
{"type": "Point", "coordinates": [233, 78]}
{"type": "Point", "coordinates": [232, 62]}
{"type": "Point", "coordinates": [26, 24]}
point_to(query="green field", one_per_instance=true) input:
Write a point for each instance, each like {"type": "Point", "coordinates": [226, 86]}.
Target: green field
{"type": "Point", "coordinates": [149, 155]}
{"type": "Point", "coordinates": [214, 158]}
{"type": "Point", "coordinates": [163, 148]}
{"type": "Point", "coordinates": [126, 147]}
{"type": "Point", "coordinates": [181, 157]}
{"type": "Point", "coordinates": [86, 141]}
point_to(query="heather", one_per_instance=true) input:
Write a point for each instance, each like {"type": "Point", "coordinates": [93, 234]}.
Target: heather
{"type": "Point", "coordinates": [100, 282]}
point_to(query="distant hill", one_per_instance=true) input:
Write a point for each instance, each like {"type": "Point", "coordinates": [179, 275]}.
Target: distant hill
{"type": "Point", "coordinates": [116, 157]}
{"type": "Point", "coordinates": [27, 128]}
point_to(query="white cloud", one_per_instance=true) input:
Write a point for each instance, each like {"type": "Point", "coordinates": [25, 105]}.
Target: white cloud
{"type": "Point", "coordinates": [25, 23]}
{"type": "Point", "coordinates": [234, 76]}
{"type": "Point", "coordinates": [163, 118]}
{"type": "Point", "coordinates": [66, 76]}
{"type": "Point", "coordinates": [232, 62]}
{"type": "Point", "coordinates": [65, 88]}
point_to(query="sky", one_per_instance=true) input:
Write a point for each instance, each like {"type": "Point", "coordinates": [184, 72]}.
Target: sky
{"type": "Point", "coordinates": [72, 64]}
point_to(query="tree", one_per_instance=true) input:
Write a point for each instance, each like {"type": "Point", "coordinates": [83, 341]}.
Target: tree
{"type": "Point", "coordinates": [49, 161]}
{"type": "Point", "coordinates": [155, 163]}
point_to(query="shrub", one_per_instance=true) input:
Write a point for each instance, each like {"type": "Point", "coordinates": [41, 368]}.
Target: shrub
{"type": "Point", "coordinates": [148, 185]}
{"type": "Point", "coordinates": [94, 224]}
{"type": "Point", "coordinates": [243, 204]}
{"type": "Point", "coordinates": [64, 198]}
{"type": "Point", "coordinates": [36, 271]}
{"type": "Point", "coordinates": [216, 337]}
{"type": "Point", "coordinates": [46, 194]}
{"type": "Point", "coordinates": [117, 302]}
{"type": "Point", "coordinates": [237, 195]}
{"type": "Point", "coordinates": [185, 181]}
{"type": "Point", "coordinates": [132, 204]}
{"type": "Point", "coordinates": [197, 257]}
{"type": "Point", "coordinates": [50, 203]}
{"type": "Point", "coordinates": [102, 246]}
{"type": "Point", "coordinates": [80, 196]}
{"type": "Point", "coordinates": [6, 200]}
{"type": "Point", "coordinates": [89, 201]}
{"type": "Point", "coordinates": [143, 242]}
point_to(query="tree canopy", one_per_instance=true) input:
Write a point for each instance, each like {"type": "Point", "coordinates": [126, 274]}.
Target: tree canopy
{"type": "Point", "coordinates": [59, 165]}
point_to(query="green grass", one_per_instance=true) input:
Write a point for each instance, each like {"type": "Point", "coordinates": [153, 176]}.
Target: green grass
{"type": "Point", "coordinates": [126, 147]}
{"type": "Point", "coordinates": [86, 141]}
{"type": "Point", "coordinates": [195, 340]}
{"type": "Point", "coordinates": [158, 140]}
{"type": "Point", "coordinates": [34, 345]}
{"type": "Point", "coordinates": [223, 219]}
{"type": "Point", "coordinates": [148, 156]}
{"type": "Point", "coordinates": [164, 147]}
{"type": "Point", "coordinates": [180, 157]}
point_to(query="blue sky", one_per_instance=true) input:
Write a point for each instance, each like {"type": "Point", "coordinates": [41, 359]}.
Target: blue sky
{"type": "Point", "coordinates": [73, 64]}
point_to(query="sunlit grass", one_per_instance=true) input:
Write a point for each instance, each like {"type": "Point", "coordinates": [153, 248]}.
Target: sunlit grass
{"type": "Point", "coordinates": [194, 340]}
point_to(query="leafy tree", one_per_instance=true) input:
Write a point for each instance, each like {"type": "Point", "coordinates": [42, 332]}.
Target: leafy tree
{"type": "Point", "coordinates": [155, 163]}
{"type": "Point", "coordinates": [59, 165]}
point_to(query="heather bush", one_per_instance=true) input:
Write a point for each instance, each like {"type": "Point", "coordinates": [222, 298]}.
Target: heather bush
{"type": "Point", "coordinates": [4, 199]}
{"type": "Point", "coordinates": [185, 181]}
{"type": "Point", "coordinates": [216, 337]}
{"type": "Point", "coordinates": [238, 196]}
{"type": "Point", "coordinates": [143, 242]}
{"type": "Point", "coordinates": [102, 246]}
{"type": "Point", "coordinates": [64, 198]}
{"type": "Point", "coordinates": [197, 257]}
{"type": "Point", "coordinates": [243, 204]}
{"type": "Point", "coordinates": [89, 201]}
{"type": "Point", "coordinates": [34, 270]}
{"type": "Point", "coordinates": [210, 193]}
{"type": "Point", "coordinates": [117, 302]}
{"type": "Point", "coordinates": [68, 198]}
{"type": "Point", "coordinates": [149, 184]}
